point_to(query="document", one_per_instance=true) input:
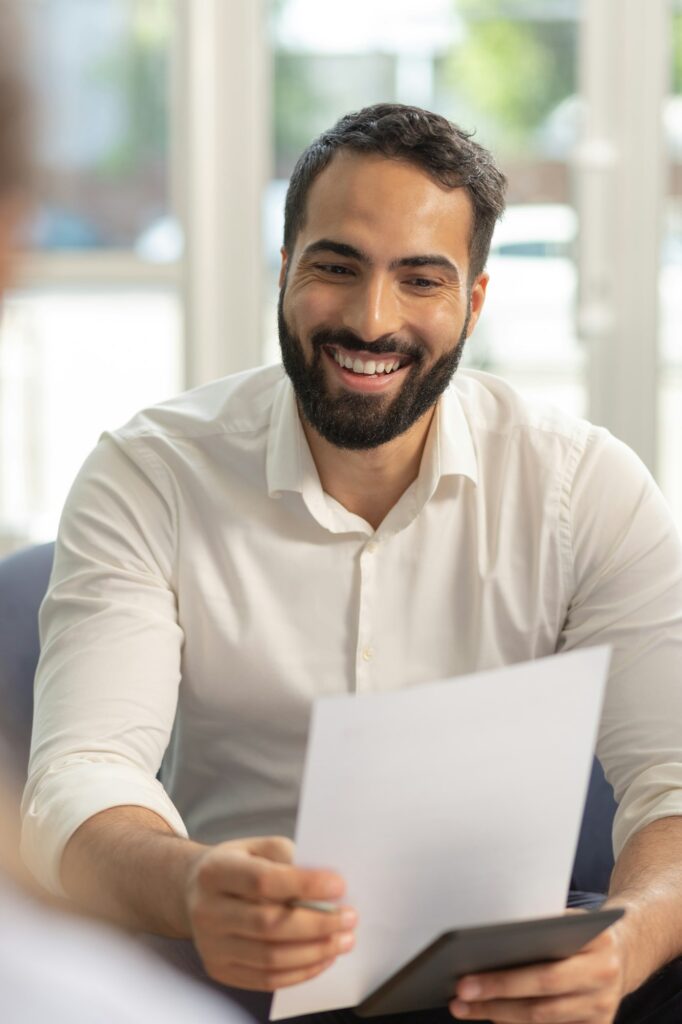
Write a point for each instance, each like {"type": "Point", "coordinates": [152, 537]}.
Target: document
{"type": "Point", "coordinates": [446, 805]}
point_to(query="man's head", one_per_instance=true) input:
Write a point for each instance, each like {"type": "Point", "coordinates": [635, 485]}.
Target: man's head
{"type": "Point", "coordinates": [388, 222]}
{"type": "Point", "coordinates": [398, 132]}
{"type": "Point", "coordinates": [15, 164]}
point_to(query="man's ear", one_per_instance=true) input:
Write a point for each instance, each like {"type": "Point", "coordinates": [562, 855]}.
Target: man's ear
{"type": "Point", "coordinates": [283, 268]}
{"type": "Point", "coordinates": [478, 293]}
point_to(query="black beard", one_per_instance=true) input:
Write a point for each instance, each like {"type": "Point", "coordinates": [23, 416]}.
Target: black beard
{"type": "Point", "coordinates": [363, 421]}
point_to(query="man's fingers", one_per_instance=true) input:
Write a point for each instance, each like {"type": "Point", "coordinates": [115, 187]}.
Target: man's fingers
{"type": "Point", "coordinates": [287, 956]}
{"type": "Point", "coordinates": [238, 873]}
{"type": "Point", "coordinates": [242, 905]}
{"type": "Point", "coordinates": [561, 1010]}
{"type": "Point", "coordinates": [584, 987]}
{"type": "Point", "coordinates": [265, 981]}
{"type": "Point", "coordinates": [275, 922]}
{"type": "Point", "coordinates": [583, 972]}
{"type": "Point", "coordinates": [524, 982]}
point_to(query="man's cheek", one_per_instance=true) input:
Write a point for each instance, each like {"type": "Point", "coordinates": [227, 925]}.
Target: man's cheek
{"type": "Point", "coordinates": [314, 307]}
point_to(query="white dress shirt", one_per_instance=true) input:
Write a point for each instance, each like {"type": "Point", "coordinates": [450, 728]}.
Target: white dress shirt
{"type": "Point", "coordinates": [206, 590]}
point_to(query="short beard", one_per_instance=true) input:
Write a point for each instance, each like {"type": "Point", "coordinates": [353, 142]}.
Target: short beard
{"type": "Point", "coordinates": [359, 421]}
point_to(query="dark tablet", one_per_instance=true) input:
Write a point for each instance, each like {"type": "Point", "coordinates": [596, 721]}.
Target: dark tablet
{"type": "Point", "coordinates": [429, 980]}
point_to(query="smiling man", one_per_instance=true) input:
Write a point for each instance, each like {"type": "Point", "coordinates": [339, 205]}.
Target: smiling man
{"type": "Point", "coordinates": [375, 308]}
{"type": "Point", "coordinates": [363, 519]}
{"type": "Point", "coordinates": [416, 308]}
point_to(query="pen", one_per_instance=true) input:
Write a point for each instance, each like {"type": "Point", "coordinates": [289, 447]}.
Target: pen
{"type": "Point", "coordinates": [320, 905]}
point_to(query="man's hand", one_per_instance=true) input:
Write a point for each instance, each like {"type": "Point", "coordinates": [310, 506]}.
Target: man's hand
{"type": "Point", "coordinates": [248, 933]}
{"type": "Point", "coordinates": [583, 989]}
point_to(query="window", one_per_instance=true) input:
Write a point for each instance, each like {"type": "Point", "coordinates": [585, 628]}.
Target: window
{"type": "Point", "coordinates": [104, 133]}
{"type": "Point", "coordinates": [166, 147]}
{"type": "Point", "coordinates": [94, 329]}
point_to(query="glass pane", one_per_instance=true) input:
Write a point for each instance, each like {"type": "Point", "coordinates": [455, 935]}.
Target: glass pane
{"type": "Point", "coordinates": [509, 71]}
{"type": "Point", "coordinates": [73, 364]}
{"type": "Point", "coordinates": [101, 78]}
{"type": "Point", "coordinates": [670, 385]}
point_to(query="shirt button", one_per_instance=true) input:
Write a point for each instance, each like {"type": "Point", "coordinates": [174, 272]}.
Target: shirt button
{"type": "Point", "coordinates": [371, 547]}
{"type": "Point", "coordinates": [367, 654]}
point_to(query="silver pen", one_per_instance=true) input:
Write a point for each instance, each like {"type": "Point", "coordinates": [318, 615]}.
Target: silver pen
{"type": "Point", "coordinates": [321, 905]}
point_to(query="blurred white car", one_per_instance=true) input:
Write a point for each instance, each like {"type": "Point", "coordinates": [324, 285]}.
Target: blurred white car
{"type": "Point", "coordinates": [529, 315]}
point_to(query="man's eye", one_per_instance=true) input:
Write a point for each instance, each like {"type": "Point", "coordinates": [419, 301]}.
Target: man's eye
{"type": "Point", "coordinates": [336, 269]}
{"type": "Point", "coordinates": [423, 283]}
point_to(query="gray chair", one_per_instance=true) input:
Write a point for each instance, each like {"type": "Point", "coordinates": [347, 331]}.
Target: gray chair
{"type": "Point", "coordinates": [594, 857]}
{"type": "Point", "coordinates": [23, 580]}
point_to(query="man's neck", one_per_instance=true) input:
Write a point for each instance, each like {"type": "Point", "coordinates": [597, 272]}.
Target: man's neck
{"type": "Point", "coordinates": [369, 483]}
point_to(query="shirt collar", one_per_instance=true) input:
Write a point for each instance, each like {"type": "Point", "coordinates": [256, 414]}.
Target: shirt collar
{"type": "Point", "coordinates": [449, 448]}
{"type": "Point", "coordinates": [283, 464]}
{"type": "Point", "coordinates": [456, 452]}
{"type": "Point", "coordinates": [290, 467]}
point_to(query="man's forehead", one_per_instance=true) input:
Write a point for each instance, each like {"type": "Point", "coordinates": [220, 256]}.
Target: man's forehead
{"type": "Point", "coordinates": [361, 191]}
{"type": "Point", "coordinates": [349, 172]}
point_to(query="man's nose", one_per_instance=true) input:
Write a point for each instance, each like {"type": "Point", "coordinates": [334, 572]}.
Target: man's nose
{"type": "Point", "coordinates": [372, 310]}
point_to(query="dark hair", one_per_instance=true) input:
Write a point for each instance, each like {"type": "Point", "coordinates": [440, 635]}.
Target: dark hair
{"type": "Point", "coordinates": [427, 140]}
{"type": "Point", "coordinates": [15, 156]}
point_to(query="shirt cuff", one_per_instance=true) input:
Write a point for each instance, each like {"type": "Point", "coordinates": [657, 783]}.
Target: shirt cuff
{"type": "Point", "coordinates": [654, 793]}
{"type": "Point", "coordinates": [73, 791]}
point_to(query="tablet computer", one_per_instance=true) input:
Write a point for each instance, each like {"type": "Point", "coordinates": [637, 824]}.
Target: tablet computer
{"type": "Point", "coordinates": [428, 981]}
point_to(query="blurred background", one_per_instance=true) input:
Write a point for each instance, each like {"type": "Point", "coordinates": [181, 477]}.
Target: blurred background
{"type": "Point", "coordinates": [168, 130]}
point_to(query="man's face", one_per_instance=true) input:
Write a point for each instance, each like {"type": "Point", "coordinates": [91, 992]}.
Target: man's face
{"type": "Point", "coordinates": [374, 306]}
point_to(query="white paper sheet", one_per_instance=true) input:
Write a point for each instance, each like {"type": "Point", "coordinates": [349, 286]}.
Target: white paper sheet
{"type": "Point", "coordinates": [449, 804]}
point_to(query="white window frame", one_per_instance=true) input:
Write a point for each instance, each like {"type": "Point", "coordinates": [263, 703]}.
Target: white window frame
{"type": "Point", "coordinates": [219, 163]}
{"type": "Point", "coordinates": [221, 158]}
{"type": "Point", "coordinates": [621, 167]}
{"type": "Point", "coordinates": [223, 106]}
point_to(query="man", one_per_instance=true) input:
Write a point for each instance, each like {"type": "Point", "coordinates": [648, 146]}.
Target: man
{"type": "Point", "coordinates": [347, 524]}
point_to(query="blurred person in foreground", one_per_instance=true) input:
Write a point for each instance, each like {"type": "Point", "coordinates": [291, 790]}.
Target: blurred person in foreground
{"type": "Point", "coordinates": [55, 966]}
{"type": "Point", "coordinates": [361, 518]}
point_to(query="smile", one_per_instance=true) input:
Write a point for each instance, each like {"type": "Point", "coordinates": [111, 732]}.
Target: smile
{"type": "Point", "coordinates": [368, 364]}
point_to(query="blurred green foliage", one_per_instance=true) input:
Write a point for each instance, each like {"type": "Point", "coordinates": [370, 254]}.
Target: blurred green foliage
{"type": "Point", "coordinates": [506, 75]}
{"type": "Point", "coordinates": [138, 70]}
{"type": "Point", "coordinates": [503, 76]}
{"type": "Point", "coordinates": [295, 112]}
{"type": "Point", "coordinates": [312, 91]}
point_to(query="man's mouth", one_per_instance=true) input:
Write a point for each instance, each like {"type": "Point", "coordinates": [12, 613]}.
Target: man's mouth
{"type": "Point", "coordinates": [368, 364]}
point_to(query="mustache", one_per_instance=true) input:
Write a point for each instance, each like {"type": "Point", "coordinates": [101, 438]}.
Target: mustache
{"type": "Point", "coordinates": [346, 339]}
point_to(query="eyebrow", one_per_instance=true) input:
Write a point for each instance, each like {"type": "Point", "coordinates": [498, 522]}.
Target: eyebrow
{"type": "Point", "coordinates": [351, 252]}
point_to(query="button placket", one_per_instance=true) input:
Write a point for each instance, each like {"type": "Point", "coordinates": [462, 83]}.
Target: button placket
{"type": "Point", "coordinates": [365, 653]}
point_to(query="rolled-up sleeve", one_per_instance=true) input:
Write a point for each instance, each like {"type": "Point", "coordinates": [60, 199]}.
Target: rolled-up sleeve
{"type": "Point", "coordinates": [626, 558]}
{"type": "Point", "coordinates": [107, 682]}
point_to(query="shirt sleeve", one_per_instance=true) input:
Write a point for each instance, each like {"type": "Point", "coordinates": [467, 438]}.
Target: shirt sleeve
{"type": "Point", "coordinates": [625, 557]}
{"type": "Point", "coordinates": [107, 682]}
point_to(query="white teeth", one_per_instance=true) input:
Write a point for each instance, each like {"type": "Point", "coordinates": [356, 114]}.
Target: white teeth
{"type": "Point", "coordinates": [370, 368]}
